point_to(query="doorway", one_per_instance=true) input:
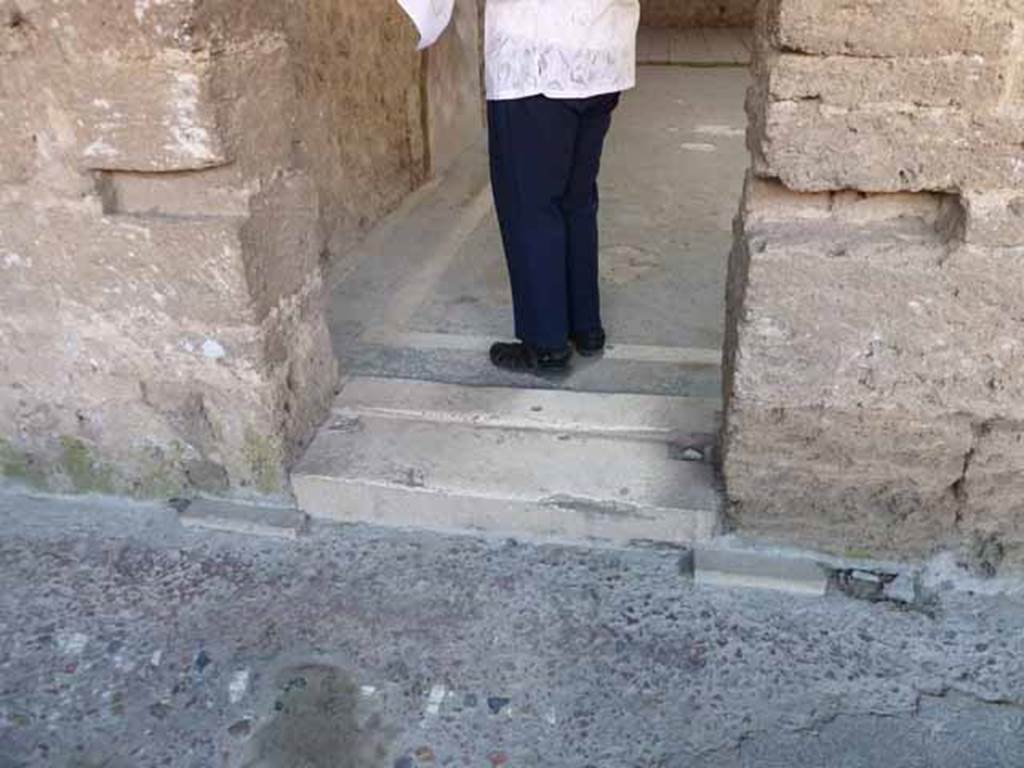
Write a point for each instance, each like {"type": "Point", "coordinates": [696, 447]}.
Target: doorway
{"type": "Point", "coordinates": [427, 432]}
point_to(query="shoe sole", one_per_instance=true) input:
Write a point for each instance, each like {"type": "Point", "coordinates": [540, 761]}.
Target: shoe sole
{"type": "Point", "coordinates": [560, 372]}
{"type": "Point", "coordinates": [558, 369]}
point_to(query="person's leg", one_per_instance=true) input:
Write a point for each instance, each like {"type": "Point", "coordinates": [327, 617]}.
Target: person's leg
{"type": "Point", "coordinates": [532, 151]}
{"type": "Point", "coordinates": [580, 206]}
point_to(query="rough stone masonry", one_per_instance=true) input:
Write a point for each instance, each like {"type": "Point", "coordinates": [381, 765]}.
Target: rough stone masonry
{"type": "Point", "coordinates": [875, 353]}
{"type": "Point", "coordinates": [173, 175]}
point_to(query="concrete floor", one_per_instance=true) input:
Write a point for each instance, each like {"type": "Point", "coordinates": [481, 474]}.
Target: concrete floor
{"type": "Point", "coordinates": [127, 640]}
{"type": "Point", "coordinates": [427, 293]}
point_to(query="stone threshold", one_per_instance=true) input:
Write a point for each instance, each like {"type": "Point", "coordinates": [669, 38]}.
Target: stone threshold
{"type": "Point", "coordinates": [726, 561]}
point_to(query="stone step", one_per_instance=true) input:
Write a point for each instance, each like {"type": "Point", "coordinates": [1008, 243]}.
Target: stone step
{"type": "Point", "coordinates": [640, 416]}
{"type": "Point", "coordinates": [455, 458]}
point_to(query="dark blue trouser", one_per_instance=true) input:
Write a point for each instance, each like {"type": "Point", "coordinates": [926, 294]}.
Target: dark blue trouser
{"type": "Point", "coordinates": [545, 158]}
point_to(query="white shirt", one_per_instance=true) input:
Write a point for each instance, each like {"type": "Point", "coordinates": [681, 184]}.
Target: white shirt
{"type": "Point", "coordinates": [563, 49]}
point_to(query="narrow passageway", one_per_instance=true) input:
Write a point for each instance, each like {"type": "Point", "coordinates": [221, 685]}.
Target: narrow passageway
{"type": "Point", "coordinates": [427, 433]}
{"type": "Point", "coordinates": [429, 291]}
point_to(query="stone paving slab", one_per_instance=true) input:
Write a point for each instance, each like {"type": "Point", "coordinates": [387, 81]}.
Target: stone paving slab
{"type": "Point", "coordinates": [759, 570]}
{"type": "Point", "coordinates": [606, 414]}
{"type": "Point", "coordinates": [219, 515]}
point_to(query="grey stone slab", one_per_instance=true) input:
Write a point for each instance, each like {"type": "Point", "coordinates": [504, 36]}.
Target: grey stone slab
{"type": "Point", "coordinates": [472, 367]}
{"type": "Point", "coordinates": [219, 515]}
{"type": "Point", "coordinates": [759, 570]}
{"type": "Point", "coordinates": [608, 414]}
{"type": "Point", "coordinates": [552, 484]}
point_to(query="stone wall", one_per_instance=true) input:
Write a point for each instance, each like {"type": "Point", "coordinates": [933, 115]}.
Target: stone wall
{"type": "Point", "coordinates": [454, 92]}
{"type": "Point", "coordinates": [697, 13]}
{"type": "Point", "coordinates": [174, 175]}
{"type": "Point", "coordinates": [875, 343]}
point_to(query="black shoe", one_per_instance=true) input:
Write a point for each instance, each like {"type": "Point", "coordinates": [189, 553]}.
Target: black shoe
{"type": "Point", "coordinates": [524, 358]}
{"type": "Point", "coordinates": [589, 344]}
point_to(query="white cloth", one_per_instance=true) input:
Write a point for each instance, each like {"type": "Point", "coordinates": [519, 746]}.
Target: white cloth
{"type": "Point", "coordinates": [562, 49]}
{"type": "Point", "coordinates": [431, 18]}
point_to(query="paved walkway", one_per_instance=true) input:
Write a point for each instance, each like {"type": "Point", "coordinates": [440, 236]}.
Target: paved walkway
{"type": "Point", "coordinates": [128, 641]}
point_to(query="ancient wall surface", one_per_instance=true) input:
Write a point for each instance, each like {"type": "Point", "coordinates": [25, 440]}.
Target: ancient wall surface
{"type": "Point", "coordinates": [875, 352]}
{"type": "Point", "coordinates": [172, 176]}
{"type": "Point", "coordinates": [697, 13]}
{"type": "Point", "coordinates": [454, 92]}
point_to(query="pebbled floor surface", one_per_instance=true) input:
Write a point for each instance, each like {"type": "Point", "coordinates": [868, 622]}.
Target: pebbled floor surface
{"type": "Point", "coordinates": [128, 641]}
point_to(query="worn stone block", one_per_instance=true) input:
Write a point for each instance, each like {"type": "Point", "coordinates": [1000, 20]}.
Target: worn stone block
{"type": "Point", "coordinates": [213, 192]}
{"type": "Point", "coordinates": [993, 488]}
{"type": "Point", "coordinates": [282, 240]}
{"type": "Point", "coordinates": [759, 570]}
{"type": "Point", "coordinates": [144, 339]}
{"type": "Point", "coordinates": [182, 271]}
{"type": "Point", "coordinates": [274, 237]}
{"type": "Point", "coordinates": [881, 28]}
{"type": "Point", "coordinates": [993, 217]}
{"type": "Point", "coordinates": [247, 84]}
{"type": "Point", "coordinates": [176, 171]}
{"type": "Point", "coordinates": [362, 123]}
{"type": "Point", "coordinates": [218, 515]}
{"type": "Point", "coordinates": [868, 438]}
{"type": "Point", "coordinates": [296, 345]}
{"type": "Point", "coordinates": [151, 115]}
{"type": "Point", "coordinates": [884, 480]}
{"type": "Point", "coordinates": [912, 321]}
{"type": "Point", "coordinates": [813, 146]}
{"type": "Point", "coordinates": [766, 202]}
{"type": "Point", "coordinates": [952, 80]}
